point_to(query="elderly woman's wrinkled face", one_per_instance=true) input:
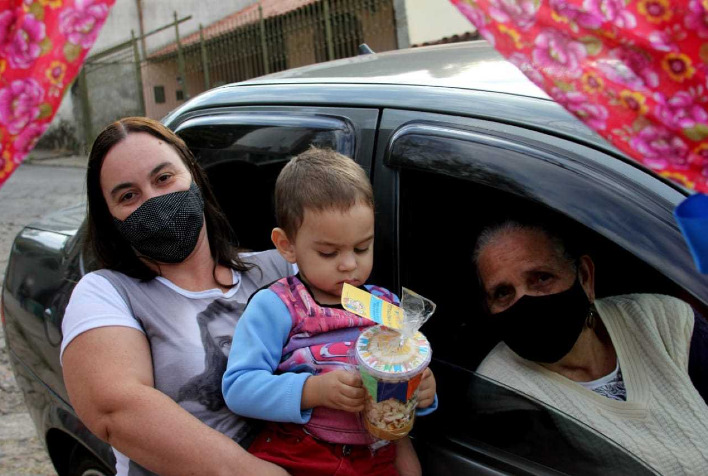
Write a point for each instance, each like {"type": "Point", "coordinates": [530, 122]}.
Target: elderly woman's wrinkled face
{"type": "Point", "coordinates": [522, 262]}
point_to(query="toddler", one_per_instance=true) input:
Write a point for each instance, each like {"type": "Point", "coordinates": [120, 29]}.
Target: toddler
{"type": "Point", "coordinates": [290, 360]}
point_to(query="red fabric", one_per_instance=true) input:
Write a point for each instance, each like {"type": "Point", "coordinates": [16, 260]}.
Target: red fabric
{"type": "Point", "coordinates": [288, 446]}
{"type": "Point", "coordinates": [42, 46]}
{"type": "Point", "coordinates": [632, 70]}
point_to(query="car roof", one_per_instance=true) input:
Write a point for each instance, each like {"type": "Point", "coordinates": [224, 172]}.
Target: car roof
{"type": "Point", "coordinates": [473, 65]}
{"type": "Point", "coordinates": [469, 79]}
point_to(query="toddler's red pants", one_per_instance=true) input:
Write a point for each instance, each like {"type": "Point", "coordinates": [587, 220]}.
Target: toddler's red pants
{"type": "Point", "coordinates": [288, 446]}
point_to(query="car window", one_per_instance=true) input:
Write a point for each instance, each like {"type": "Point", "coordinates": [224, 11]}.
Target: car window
{"type": "Point", "coordinates": [623, 211]}
{"type": "Point", "coordinates": [445, 221]}
{"type": "Point", "coordinates": [243, 153]}
{"type": "Point", "coordinates": [448, 188]}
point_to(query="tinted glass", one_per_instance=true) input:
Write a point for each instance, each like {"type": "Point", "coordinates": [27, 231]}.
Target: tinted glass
{"type": "Point", "coordinates": [261, 139]}
{"type": "Point", "coordinates": [243, 154]}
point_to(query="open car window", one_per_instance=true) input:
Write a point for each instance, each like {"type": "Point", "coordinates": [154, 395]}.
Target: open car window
{"type": "Point", "coordinates": [451, 182]}
{"type": "Point", "coordinates": [454, 182]}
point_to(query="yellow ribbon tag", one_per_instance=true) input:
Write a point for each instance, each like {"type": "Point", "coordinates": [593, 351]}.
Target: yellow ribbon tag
{"type": "Point", "coordinates": [370, 307]}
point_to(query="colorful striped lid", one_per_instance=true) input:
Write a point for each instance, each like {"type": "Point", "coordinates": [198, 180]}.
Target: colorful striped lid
{"type": "Point", "coordinates": [379, 351]}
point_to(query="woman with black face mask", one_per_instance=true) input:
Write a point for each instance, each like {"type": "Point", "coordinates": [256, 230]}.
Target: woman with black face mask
{"type": "Point", "coordinates": [142, 369]}
{"type": "Point", "coordinates": [618, 364]}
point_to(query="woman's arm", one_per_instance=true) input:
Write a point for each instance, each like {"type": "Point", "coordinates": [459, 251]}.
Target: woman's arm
{"type": "Point", "coordinates": [109, 377]}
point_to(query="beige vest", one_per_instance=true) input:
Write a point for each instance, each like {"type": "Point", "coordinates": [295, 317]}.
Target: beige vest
{"type": "Point", "coordinates": [664, 421]}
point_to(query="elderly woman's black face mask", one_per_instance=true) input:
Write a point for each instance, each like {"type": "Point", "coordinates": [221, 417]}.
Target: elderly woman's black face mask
{"type": "Point", "coordinates": [544, 328]}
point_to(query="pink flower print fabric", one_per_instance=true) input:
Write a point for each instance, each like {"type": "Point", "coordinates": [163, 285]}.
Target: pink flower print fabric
{"type": "Point", "coordinates": [632, 70]}
{"type": "Point", "coordinates": [19, 104]}
{"type": "Point", "coordinates": [79, 24]}
{"type": "Point", "coordinates": [42, 46]}
{"type": "Point", "coordinates": [23, 43]}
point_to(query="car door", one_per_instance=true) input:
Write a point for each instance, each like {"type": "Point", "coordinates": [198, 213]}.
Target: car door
{"type": "Point", "coordinates": [437, 180]}
{"type": "Point", "coordinates": [243, 149]}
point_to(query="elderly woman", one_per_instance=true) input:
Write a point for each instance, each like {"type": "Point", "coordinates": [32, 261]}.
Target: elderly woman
{"type": "Point", "coordinates": [618, 364]}
{"type": "Point", "coordinates": [141, 364]}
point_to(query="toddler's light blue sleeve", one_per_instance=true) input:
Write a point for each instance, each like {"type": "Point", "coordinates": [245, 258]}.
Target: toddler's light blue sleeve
{"type": "Point", "coordinates": [428, 410]}
{"type": "Point", "coordinates": [249, 385]}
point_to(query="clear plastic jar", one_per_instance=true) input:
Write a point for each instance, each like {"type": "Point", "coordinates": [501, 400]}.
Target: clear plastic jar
{"type": "Point", "coordinates": [391, 369]}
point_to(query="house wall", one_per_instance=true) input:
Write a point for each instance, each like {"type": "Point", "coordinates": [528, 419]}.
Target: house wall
{"type": "Point", "coordinates": [162, 73]}
{"type": "Point", "coordinates": [432, 20]}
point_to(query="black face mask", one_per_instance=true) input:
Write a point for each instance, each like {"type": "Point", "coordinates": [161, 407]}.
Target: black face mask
{"type": "Point", "coordinates": [165, 228]}
{"type": "Point", "coordinates": [544, 328]}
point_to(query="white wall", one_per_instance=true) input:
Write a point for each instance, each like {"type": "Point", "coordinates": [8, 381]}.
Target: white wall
{"type": "Point", "coordinates": [121, 19]}
{"type": "Point", "coordinates": [65, 110]}
{"type": "Point", "coordinates": [431, 20]}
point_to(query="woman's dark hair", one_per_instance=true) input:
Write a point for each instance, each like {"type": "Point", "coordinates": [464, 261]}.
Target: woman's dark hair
{"type": "Point", "coordinates": [111, 250]}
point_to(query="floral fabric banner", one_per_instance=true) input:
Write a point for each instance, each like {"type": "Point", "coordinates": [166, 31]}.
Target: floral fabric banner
{"type": "Point", "coordinates": [42, 46]}
{"type": "Point", "coordinates": [632, 70]}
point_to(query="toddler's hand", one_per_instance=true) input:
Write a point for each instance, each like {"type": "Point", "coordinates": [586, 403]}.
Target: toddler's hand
{"type": "Point", "coordinates": [426, 389]}
{"type": "Point", "coordinates": [339, 390]}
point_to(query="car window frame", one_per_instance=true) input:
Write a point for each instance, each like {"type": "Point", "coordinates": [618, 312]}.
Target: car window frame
{"type": "Point", "coordinates": [362, 120]}
{"type": "Point", "coordinates": [648, 193]}
{"type": "Point", "coordinates": [395, 124]}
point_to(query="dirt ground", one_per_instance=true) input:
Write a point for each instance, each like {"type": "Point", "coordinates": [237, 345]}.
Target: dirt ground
{"type": "Point", "coordinates": [35, 189]}
{"type": "Point", "coordinates": [21, 452]}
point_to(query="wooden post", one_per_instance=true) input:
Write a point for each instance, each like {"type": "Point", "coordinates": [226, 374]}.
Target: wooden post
{"type": "Point", "coordinates": [264, 41]}
{"type": "Point", "coordinates": [205, 59]}
{"type": "Point", "coordinates": [138, 75]}
{"type": "Point", "coordinates": [85, 109]}
{"type": "Point", "coordinates": [328, 30]}
{"type": "Point", "coordinates": [182, 78]}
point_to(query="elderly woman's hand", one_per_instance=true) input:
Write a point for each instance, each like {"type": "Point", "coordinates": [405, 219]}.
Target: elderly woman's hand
{"type": "Point", "coordinates": [426, 390]}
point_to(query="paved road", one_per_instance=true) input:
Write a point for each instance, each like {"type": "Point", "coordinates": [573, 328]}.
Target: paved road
{"type": "Point", "coordinates": [32, 191]}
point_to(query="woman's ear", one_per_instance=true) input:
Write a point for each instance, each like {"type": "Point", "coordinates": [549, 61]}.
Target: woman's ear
{"type": "Point", "coordinates": [283, 244]}
{"type": "Point", "coordinates": [586, 274]}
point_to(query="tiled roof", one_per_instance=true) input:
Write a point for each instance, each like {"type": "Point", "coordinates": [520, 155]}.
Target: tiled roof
{"type": "Point", "coordinates": [271, 8]}
{"type": "Point", "coordinates": [467, 36]}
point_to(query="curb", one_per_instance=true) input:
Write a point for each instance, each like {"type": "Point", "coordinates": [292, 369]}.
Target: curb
{"type": "Point", "coordinates": [77, 161]}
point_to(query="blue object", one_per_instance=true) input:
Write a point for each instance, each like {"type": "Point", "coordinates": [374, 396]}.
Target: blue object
{"type": "Point", "coordinates": [692, 218]}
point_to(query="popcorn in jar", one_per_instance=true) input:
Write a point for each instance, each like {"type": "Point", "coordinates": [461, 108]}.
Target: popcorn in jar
{"type": "Point", "coordinates": [391, 368]}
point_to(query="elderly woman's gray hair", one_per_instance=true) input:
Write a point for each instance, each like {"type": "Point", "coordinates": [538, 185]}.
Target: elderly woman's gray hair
{"type": "Point", "coordinates": [489, 234]}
